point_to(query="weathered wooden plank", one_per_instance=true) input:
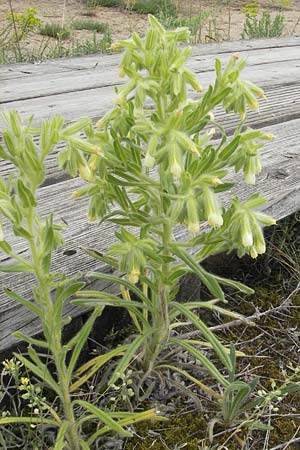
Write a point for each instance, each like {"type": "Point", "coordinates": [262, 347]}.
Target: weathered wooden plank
{"type": "Point", "coordinates": [23, 70]}
{"type": "Point", "coordinates": [276, 69]}
{"type": "Point", "coordinates": [94, 77]}
{"type": "Point", "coordinates": [282, 104]}
{"type": "Point", "coordinates": [279, 183]}
{"type": "Point", "coordinates": [94, 102]}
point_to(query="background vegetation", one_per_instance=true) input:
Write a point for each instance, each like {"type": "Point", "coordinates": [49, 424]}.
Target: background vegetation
{"type": "Point", "coordinates": [27, 35]}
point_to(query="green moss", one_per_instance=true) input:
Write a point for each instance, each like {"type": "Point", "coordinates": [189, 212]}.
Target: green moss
{"type": "Point", "coordinates": [182, 428]}
{"type": "Point", "coordinates": [284, 430]}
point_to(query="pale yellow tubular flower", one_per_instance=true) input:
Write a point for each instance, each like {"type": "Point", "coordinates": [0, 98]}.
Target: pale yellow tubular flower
{"type": "Point", "coordinates": [134, 275]}
{"type": "Point", "coordinates": [250, 178]}
{"type": "Point", "coordinates": [253, 253]}
{"type": "Point", "coordinates": [246, 232]}
{"type": "Point", "coordinates": [149, 161]}
{"type": "Point", "coordinates": [215, 219]}
{"type": "Point", "coordinates": [259, 240]}
{"type": "Point", "coordinates": [175, 161]}
{"type": "Point", "coordinates": [216, 181]}
{"type": "Point", "coordinates": [85, 172]}
{"type": "Point", "coordinates": [212, 209]}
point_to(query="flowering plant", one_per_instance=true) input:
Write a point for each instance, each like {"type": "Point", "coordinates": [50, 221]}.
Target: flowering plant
{"type": "Point", "coordinates": [159, 166]}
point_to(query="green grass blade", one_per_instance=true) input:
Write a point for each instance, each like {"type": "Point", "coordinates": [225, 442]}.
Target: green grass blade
{"type": "Point", "coordinates": [87, 370]}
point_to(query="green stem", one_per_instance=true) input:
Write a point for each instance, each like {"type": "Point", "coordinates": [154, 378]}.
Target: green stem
{"type": "Point", "coordinates": [160, 319]}
{"type": "Point", "coordinates": [55, 345]}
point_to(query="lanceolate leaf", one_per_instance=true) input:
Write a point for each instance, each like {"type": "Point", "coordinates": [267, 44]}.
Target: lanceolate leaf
{"type": "Point", "coordinates": [131, 306]}
{"type": "Point", "coordinates": [84, 445]}
{"type": "Point", "coordinates": [216, 344]}
{"type": "Point", "coordinates": [235, 284]}
{"type": "Point", "coordinates": [104, 417]}
{"type": "Point", "coordinates": [113, 262]}
{"type": "Point", "coordinates": [121, 281]}
{"type": "Point", "coordinates": [21, 419]}
{"type": "Point", "coordinates": [81, 339]}
{"type": "Point", "coordinates": [210, 367]}
{"type": "Point", "coordinates": [67, 292]}
{"type": "Point", "coordinates": [127, 358]}
{"type": "Point", "coordinates": [23, 301]}
{"type": "Point", "coordinates": [208, 279]}
{"type": "Point", "coordinates": [29, 340]}
{"type": "Point", "coordinates": [16, 267]}
{"type": "Point", "coordinates": [128, 419]}
{"type": "Point", "coordinates": [60, 443]}
{"type": "Point", "coordinates": [40, 370]}
{"type": "Point", "coordinates": [191, 378]}
{"type": "Point", "coordinates": [87, 370]}
{"type": "Point", "coordinates": [235, 395]}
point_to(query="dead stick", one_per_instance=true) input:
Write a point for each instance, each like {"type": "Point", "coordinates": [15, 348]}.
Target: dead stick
{"type": "Point", "coordinates": [247, 320]}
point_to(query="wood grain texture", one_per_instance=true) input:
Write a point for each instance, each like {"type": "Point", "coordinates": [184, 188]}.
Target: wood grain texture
{"type": "Point", "coordinates": [25, 70]}
{"type": "Point", "coordinates": [98, 75]}
{"type": "Point", "coordinates": [77, 87]}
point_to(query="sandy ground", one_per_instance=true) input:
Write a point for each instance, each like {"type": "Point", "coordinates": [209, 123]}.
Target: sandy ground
{"type": "Point", "coordinates": [123, 23]}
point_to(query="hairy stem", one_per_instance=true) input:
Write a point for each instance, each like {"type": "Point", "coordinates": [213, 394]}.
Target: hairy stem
{"type": "Point", "coordinates": [55, 345]}
{"type": "Point", "coordinates": [160, 320]}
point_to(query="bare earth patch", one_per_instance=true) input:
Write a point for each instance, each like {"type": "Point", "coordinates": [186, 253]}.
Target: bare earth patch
{"type": "Point", "coordinates": [122, 23]}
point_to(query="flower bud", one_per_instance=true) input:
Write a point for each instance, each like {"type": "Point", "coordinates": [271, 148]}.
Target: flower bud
{"type": "Point", "coordinates": [216, 181]}
{"type": "Point", "coordinates": [85, 172]}
{"type": "Point", "coordinates": [246, 232]}
{"type": "Point", "coordinates": [249, 178]}
{"type": "Point", "coordinates": [211, 132]}
{"type": "Point", "coordinates": [212, 209]}
{"type": "Point", "coordinates": [250, 170]}
{"type": "Point", "coordinates": [265, 219]}
{"type": "Point", "coordinates": [259, 240]}
{"type": "Point", "coordinates": [186, 143]}
{"type": "Point", "coordinates": [192, 214]}
{"type": "Point", "coordinates": [175, 161]}
{"type": "Point", "coordinates": [149, 160]}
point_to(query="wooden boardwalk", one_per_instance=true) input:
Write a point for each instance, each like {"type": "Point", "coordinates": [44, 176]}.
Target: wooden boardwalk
{"type": "Point", "coordinates": [84, 86]}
